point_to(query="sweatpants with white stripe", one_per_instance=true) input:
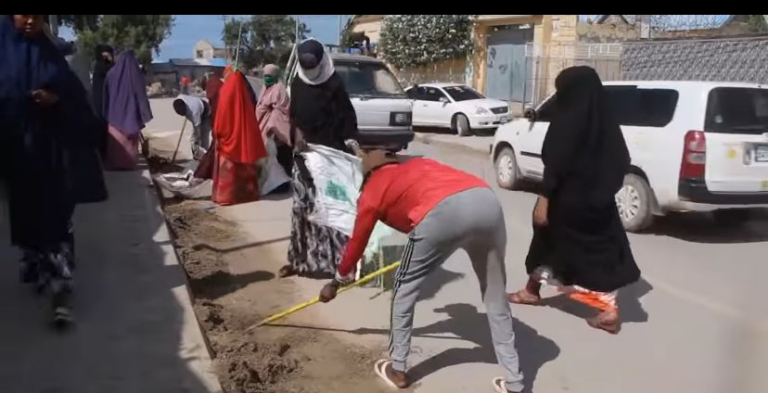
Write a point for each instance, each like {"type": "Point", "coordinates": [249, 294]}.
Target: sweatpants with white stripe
{"type": "Point", "coordinates": [474, 221]}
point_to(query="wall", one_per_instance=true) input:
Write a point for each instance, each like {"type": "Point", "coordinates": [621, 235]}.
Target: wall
{"type": "Point", "coordinates": [450, 71]}
{"type": "Point", "coordinates": [371, 28]}
{"type": "Point", "coordinates": [480, 38]}
{"type": "Point", "coordinates": [606, 33]}
{"type": "Point", "coordinates": [720, 59]}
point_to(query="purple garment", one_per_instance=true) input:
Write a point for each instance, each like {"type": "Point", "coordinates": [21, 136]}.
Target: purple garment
{"type": "Point", "coordinates": [126, 105]}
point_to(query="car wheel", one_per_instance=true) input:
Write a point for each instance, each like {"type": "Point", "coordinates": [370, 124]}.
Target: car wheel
{"type": "Point", "coordinates": [507, 172]}
{"type": "Point", "coordinates": [461, 125]}
{"type": "Point", "coordinates": [731, 217]}
{"type": "Point", "coordinates": [635, 203]}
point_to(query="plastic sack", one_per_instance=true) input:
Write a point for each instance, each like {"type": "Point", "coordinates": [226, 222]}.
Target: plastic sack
{"type": "Point", "coordinates": [272, 174]}
{"type": "Point", "coordinates": [337, 177]}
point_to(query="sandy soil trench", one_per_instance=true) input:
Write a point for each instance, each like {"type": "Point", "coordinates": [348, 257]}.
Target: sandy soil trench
{"type": "Point", "coordinates": [234, 285]}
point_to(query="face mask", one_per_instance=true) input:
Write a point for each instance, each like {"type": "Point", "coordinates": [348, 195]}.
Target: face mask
{"type": "Point", "coordinates": [269, 80]}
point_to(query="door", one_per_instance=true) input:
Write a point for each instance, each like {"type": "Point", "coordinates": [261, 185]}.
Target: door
{"type": "Point", "coordinates": [431, 107]}
{"type": "Point", "coordinates": [736, 126]}
{"type": "Point", "coordinates": [532, 140]}
{"type": "Point", "coordinates": [506, 66]}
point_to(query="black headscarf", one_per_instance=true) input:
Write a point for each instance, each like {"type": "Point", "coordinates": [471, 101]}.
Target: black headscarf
{"type": "Point", "coordinates": [322, 111]}
{"type": "Point", "coordinates": [100, 69]}
{"type": "Point", "coordinates": [584, 144]}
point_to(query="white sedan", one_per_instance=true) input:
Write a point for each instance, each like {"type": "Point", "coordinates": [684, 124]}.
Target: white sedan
{"type": "Point", "coordinates": [458, 107]}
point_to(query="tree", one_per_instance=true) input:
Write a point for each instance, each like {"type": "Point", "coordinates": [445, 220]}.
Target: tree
{"type": "Point", "coordinates": [142, 33]}
{"type": "Point", "coordinates": [265, 39]}
{"type": "Point", "coordinates": [757, 23]}
{"type": "Point", "coordinates": [413, 40]}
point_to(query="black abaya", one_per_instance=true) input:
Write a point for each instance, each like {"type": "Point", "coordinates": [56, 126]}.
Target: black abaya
{"type": "Point", "coordinates": [585, 158]}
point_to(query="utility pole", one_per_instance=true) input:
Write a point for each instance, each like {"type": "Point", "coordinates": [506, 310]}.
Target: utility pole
{"type": "Point", "coordinates": [296, 39]}
{"type": "Point", "coordinates": [340, 22]}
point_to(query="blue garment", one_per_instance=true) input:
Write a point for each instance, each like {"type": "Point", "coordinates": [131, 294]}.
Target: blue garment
{"type": "Point", "coordinates": [50, 157]}
{"type": "Point", "coordinates": [126, 106]}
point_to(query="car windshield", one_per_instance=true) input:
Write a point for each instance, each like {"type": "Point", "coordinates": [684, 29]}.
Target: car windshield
{"type": "Point", "coordinates": [463, 93]}
{"type": "Point", "coordinates": [366, 79]}
{"type": "Point", "coordinates": [737, 110]}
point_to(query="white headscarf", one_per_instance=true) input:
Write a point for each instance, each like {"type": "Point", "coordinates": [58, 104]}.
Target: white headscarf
{"type": "Point", "coordinates": [319, 74]}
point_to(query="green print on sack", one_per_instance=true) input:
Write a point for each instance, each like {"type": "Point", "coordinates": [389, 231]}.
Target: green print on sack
{"type": "Point", "coordinates": [337, 192]}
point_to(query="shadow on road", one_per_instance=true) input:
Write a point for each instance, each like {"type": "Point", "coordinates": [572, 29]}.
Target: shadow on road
{"type": "Point", "coordinates": [447, 131]}
{"type": "Point", "coordinates": [222, 283]}
{"type": "Point", "coordinates": [468, 324]}
{"type": "Point", "coordinates": [702, 228]}
{"type": "Point", "coordinates": [628, 301]}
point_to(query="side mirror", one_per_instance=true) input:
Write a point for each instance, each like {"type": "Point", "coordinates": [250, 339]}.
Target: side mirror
{"type": "Point", "coordinates": [444, 100]}
{"type": "Point", "coordinates": [530, 114]}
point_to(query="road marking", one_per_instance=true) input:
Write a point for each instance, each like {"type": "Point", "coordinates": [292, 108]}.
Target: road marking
{"type": "Point", "coordinates": [714, 305]}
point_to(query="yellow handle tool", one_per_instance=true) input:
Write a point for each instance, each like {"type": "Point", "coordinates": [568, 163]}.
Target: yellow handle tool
{"type": "Point", "coordinates": [316, 300]}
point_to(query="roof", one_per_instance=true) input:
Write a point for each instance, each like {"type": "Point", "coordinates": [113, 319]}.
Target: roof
{"type": "Point", "coordinates": [358, 58]}
{"type": "Point", "coordinates": [198, 62]}
{"type": "Point", "coordinates": [442, 85]}
{"type": "Point", "coordinates": [680, 84]}
{"type": "Point", "coordinates": [602, 18]}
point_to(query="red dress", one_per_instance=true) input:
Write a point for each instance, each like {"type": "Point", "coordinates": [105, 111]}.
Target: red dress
{"type": "Point", "coordinates": [239, 146]}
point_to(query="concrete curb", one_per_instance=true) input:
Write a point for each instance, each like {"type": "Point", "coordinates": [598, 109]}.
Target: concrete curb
{"type": "Point", "coordinates": [428, 139]}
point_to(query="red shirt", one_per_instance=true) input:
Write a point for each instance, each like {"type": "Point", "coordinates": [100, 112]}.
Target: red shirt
{"type": "Point", "coordinates": [401, 195]}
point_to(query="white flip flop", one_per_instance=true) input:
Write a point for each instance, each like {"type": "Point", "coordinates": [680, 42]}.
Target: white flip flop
{"type": "Point", "coordinates": [499, 385]}
{"type": "Point", "coordinates": [380, 369]}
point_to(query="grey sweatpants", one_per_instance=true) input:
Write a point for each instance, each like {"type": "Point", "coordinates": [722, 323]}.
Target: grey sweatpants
{"type": "Point", "coordinates": [471, 220]}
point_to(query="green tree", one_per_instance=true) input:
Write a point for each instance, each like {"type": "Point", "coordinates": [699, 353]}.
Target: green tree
{"type": "Point", "coordinates": [414, 40]}
{"type": "Point", "coordinates": [142, 33]}
{"type": "Point", "coordinates": [265, 39]}
{"type": "Point", "coordinates": [757, 23]}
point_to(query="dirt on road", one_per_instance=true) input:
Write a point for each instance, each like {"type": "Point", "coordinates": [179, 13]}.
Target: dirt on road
{"type": "Point", "coordinates": [234, 285]}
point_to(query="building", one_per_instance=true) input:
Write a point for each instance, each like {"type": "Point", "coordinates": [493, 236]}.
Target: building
{"type": "Point", "coordinates": [169, 73]}
{"type": "Point", "coordinates": [204, 49]}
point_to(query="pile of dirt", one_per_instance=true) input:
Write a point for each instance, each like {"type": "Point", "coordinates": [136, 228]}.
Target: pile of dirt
{"type": "Point", "coordinates": [268, 359]}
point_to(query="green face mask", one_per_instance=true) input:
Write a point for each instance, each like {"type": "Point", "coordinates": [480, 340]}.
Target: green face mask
{"type": "Point", "coordinates": [270, 80]}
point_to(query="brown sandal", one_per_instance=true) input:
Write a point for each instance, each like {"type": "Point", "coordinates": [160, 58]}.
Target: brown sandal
{"type": "Point", "coordinates": [607, 321]}
{"type": "Point", "coordinates": [523, 297]}
{"type": "Point", "coordinates": [286, 271]}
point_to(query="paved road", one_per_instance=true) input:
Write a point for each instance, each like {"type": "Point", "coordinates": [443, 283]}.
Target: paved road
{"type": "Point", "coordinates": [135, 331]}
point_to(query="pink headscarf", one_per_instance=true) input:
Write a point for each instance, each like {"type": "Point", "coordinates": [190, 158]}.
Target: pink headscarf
{"type": "Point", "coordinates": [272, 109]}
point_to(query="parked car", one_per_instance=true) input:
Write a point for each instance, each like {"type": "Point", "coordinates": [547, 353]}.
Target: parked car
{"type": "Point", "coordinates": [695, 146]}
{"type": "Point", "coordinates": [384, 112]}
{"type": "Point", "coordinates": [458, 107]}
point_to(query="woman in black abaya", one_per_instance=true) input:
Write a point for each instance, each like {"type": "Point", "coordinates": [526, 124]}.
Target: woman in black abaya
{"type": "Point", "coordinates": [578, 234]}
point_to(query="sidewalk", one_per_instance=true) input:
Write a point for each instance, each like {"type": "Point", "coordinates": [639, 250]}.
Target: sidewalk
{"type": "Point", "coordinates": [476, 144]}
{"type": "Point", "coordinates": [135, 329]}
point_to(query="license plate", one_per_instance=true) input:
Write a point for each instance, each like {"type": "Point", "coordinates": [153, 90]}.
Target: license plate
{"type": "Point", "coordinates": [761, 153]}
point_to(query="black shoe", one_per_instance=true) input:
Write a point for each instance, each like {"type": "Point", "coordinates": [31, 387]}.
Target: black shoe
{"type": "Point", "coordinates": [62, 310]}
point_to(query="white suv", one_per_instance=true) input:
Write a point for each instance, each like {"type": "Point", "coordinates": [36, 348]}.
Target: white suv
{"type": "Point", "coordinates": [695, 146]}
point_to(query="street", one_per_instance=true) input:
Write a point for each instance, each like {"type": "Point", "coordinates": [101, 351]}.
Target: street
{"type": "Point", "coordinates": [693, 323]}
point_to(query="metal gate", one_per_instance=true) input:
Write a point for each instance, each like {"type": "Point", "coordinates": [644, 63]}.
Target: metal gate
{"type": "Point", "coordinates": [506, 65]}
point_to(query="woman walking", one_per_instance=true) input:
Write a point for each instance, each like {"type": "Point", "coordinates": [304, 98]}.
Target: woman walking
{"type": "Point", "coordinates": [50, 136]}
{"type": "Point", "coordinates": [239, 146]}
{"type": "Point", "coordinates": [127, 110]}
{"type": "Point", "coordinates": [273, 111]}
{"type": "Point", "coordinates": [578, 234]}
{"type": "Point", "coordinates": [320, 113]}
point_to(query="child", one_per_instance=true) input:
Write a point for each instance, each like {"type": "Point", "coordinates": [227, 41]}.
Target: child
{"type": "Point", "coordinates": [442, 209]}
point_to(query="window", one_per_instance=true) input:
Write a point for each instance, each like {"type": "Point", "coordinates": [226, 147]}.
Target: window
{"type": "Point", "coordinates": [369, 80]}
{"type": "Point", "coordinates": [463, 93]}
{"type": "Point", "coordinates": [642, 107]}
{"type": "Point", "coordinates": [413, 93]}
{"type": "Point", "coordinates": [737, 110]}
{"type": "Point", "coordinates": [432, 94]}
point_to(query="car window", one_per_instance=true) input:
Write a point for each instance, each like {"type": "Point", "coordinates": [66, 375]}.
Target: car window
{"type": "Point", "coordinates": [737, 110]}
{"type": "Point", "coordinates": [413, 93]}
{"type": "Point", "coordinates": [432, 94]}
{"type": "Point", "coordinates": [639, 107]}
{"type": "Point", "coordinates": [368, 79]}
{"type": "Point", "coordinates": [463, 93]}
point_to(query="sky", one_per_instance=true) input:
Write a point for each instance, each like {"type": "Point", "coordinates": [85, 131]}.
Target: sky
{"type": "Point", "coordinates": [191, 28]}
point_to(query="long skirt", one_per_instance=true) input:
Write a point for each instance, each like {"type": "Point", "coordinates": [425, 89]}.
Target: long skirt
{"type": "Point", "coordinates": [122, 151]}
{"type": "Point", "coordinates": [233, 182]}
{"type": "Point", "coordinates": [315, 250]}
